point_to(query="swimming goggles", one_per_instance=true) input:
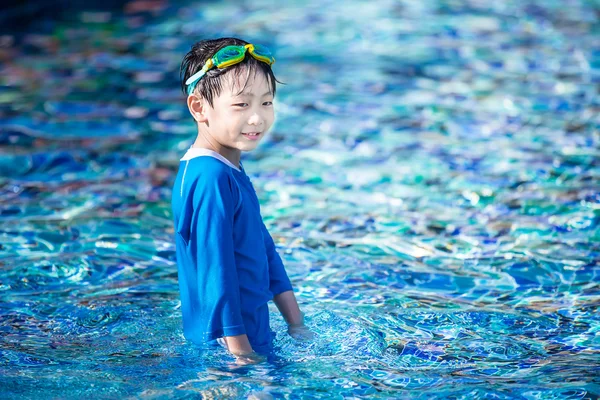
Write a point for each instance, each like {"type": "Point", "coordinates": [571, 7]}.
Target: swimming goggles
{"type": "Point", "coordinates": [230, 55]}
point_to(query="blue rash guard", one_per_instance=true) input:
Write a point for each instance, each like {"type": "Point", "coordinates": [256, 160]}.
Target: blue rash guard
{"type": "Point", "coordinates": [228, 267]}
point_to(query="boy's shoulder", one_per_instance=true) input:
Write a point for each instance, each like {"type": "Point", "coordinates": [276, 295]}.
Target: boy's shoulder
{"type": "Point", "coordinates": [207, 174]}
{"type": "Point", "coordinates": [209, 166]}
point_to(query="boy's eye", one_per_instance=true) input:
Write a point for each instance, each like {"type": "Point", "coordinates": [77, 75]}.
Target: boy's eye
{"type": "Point", "coordinates": [242, 104]}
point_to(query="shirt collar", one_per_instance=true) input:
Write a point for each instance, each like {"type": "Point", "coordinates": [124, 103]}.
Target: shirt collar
{"type": "Point", "coordinates": [199, 151]}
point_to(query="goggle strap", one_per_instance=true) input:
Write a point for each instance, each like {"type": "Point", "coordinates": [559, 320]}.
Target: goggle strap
{"type": "Point", "coordinates": [208, 65]}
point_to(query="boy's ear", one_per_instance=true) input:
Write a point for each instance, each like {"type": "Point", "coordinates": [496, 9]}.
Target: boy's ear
{"type": "Point", "coordinates": [197, 107]}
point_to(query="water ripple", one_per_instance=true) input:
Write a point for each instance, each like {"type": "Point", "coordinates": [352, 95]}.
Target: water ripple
{"type": "Point", "coordinates": [431, 182]}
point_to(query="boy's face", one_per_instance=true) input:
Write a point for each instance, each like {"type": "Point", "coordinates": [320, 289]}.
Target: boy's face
{"type": "Point", "coordinates": [234, 115]}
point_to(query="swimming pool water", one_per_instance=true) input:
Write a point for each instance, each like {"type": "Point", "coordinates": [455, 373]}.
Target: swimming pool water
{"type": "Point", "coordinates": [431, 182]}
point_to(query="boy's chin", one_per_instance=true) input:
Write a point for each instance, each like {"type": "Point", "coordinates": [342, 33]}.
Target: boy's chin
{"type": "Point", "coordinates": [247, 147]}
{"type": "Point", "coordinates": [249, 144]}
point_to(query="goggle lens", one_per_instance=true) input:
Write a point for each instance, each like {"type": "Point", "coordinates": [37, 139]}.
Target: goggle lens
{"type": "Point", "coordinates": [228, 53]}
{"type": "Point", "coordinates": [262, 51]}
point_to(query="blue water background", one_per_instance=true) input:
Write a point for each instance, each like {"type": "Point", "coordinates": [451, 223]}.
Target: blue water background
{"type": "Point", "coordinates": [432, 183]}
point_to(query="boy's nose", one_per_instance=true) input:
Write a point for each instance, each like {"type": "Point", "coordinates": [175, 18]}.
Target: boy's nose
{"type": "Point", "coordinates": [255, 119]}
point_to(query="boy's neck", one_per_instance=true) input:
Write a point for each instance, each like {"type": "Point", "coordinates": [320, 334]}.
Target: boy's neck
{"type": "Point", "coordinates": [233, 155]}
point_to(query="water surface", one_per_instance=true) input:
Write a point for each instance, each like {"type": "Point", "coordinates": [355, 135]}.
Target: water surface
{"type": "Point", "coordinates": [431, 182]}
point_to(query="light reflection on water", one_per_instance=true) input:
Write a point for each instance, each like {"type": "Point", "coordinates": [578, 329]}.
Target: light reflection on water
{"type": "Point", "coordinates": [431, 182]}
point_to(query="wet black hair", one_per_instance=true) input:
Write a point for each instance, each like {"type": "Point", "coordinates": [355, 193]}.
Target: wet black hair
{"type": "Point", "coordinates": [210, 85]}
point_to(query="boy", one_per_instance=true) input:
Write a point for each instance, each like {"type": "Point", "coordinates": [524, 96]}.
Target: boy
{"type": "Point", "coordinates": [228, 267]}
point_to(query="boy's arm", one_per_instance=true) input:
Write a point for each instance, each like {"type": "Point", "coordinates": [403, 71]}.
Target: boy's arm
{"type": "Point", "coordinates": [238, 345]}
{"type": "Point", "coordinates": [288, 307]}
{"type": "Point", "coordinates": [279, 281]}
{"type": "Point", "coordinates": [283, 295]}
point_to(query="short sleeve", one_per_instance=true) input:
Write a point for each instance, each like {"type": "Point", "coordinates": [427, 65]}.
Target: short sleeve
{"type": "Point", "coordinates": [279, 280]}
{"type": "Point", "coordinates": [213, 286]}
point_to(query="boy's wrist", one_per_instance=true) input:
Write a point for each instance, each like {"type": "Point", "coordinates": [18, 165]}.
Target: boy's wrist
{"type": "Point", "coordinates": [238, 345]}
{"type": "Point", "coordinates": [252, 358]}
{"type": "Point", "coordinates": [300, 322]}
{"type": "Point", "coordinates": [243, 353]}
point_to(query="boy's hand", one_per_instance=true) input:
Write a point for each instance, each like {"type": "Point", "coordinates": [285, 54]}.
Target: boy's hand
{"type": "Point", "coordinates": [250, 358]}
{"type": "Point", "coordinates": [300, 332]}
{"type": "Point", "coordinates": [288, 306]}
{"type": "Point", "coordinates": [240, 348]}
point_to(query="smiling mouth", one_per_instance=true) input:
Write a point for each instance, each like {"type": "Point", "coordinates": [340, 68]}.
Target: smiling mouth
{"type": "Point", "coordinates": [251, 133]}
